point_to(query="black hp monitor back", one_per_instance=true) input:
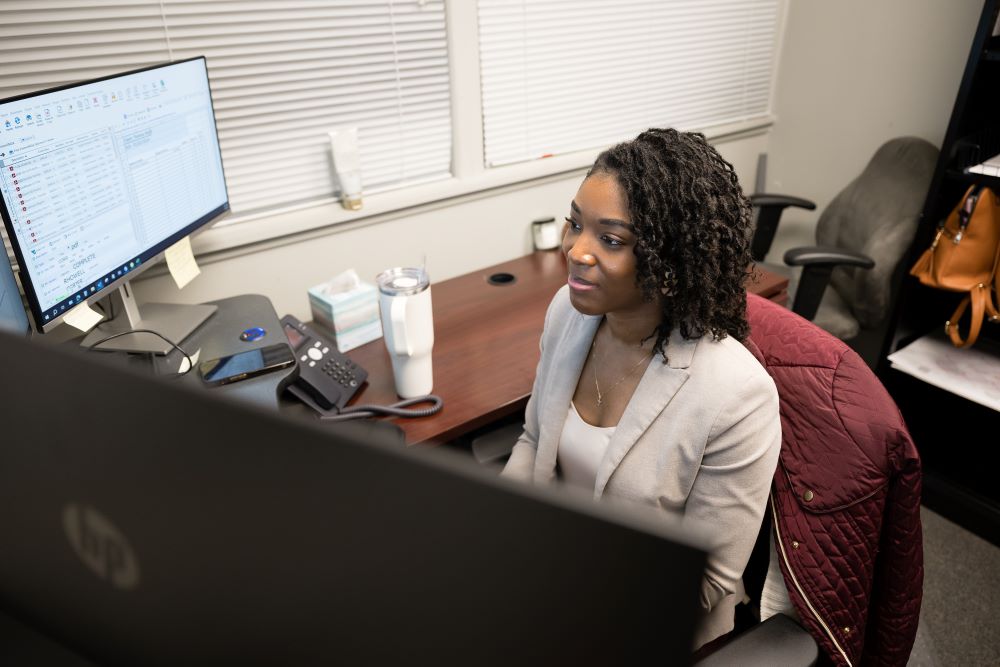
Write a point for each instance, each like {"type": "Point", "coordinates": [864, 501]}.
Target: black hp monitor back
{"type": "Point", "coordinates": [146, 523]}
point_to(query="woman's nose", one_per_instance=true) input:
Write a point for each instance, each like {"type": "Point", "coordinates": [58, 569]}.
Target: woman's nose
{"type": "Point", "coordinates": [578, 254]}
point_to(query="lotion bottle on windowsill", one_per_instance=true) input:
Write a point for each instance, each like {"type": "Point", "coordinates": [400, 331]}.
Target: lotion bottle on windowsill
{"type": "Point", "coordinates": [347, 164]}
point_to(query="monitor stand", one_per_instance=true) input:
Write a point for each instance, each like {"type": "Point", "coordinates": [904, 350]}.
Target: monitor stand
{"type": "Point", "coordinates": [173, 321]}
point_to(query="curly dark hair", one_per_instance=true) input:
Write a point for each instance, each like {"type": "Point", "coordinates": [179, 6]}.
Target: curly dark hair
{"type": "Point", "coordinates": [693, 227]}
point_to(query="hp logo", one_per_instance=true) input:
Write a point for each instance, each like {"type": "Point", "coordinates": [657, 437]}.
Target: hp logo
{"type": "Point", "coordinates": [101, 546]}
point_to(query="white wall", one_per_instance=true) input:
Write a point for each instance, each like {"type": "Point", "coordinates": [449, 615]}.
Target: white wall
{"type": "Point", "coordinates": [853, 74]}
{"type": "Point", "coordinates": [469, 233]}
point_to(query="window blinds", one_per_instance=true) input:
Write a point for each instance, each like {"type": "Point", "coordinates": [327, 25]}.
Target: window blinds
{"type": "Point", "coordinates": [282, 74]}
{"type": "Point", "coordinates": [567, 75]}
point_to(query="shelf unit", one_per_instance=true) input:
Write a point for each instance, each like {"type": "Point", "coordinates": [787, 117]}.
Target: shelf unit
{"type": "Point", "coordinates": [957, 438]}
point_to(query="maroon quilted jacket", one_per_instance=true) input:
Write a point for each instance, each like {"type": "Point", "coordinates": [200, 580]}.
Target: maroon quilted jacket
{"type": "Point", "coordinates": [845, 501]}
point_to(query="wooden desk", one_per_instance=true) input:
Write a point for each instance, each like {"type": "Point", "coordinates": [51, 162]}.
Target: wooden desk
{"type": "Point", "coordinates": [486, 344]}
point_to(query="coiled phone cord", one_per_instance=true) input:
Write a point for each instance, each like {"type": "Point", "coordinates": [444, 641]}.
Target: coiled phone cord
{"type": "Point", "coordinates": [394, 410]}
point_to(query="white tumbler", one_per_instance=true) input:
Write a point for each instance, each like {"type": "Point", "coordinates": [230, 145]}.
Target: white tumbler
{"type": "Point", "coordinates": [408, 327]}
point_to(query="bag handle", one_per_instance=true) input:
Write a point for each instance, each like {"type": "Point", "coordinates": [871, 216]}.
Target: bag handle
{"type": "Point", "coordinates": [978, 296]}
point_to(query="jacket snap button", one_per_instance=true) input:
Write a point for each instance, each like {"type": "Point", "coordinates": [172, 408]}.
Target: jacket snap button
{"type": "Point", "coordinates": [847, 631]}
{"type": "Point", "coordinates": [808, 495]}
{"type": "Point", "coordinates": [795, 545]}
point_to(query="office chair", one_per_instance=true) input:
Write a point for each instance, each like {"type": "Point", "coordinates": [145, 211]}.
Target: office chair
{"type": "Point", "coordinates": [858, 536]}
{"type": "Point", "coordinates": [860, 238]}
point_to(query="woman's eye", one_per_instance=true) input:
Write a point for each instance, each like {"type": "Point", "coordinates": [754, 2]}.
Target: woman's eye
{"type": "Point", "coordinates": [574, 225]}
{"type": "Point", "coordinates": [613, 242]}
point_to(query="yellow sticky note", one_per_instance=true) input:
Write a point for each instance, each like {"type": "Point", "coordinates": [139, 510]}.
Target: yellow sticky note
{"type": "Point", "coordinates": [82, 317]}
{"type": "Point", "coordinates": [181, 262]}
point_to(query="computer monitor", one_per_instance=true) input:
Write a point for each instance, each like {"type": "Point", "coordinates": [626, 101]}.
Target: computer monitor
{"type": "Point", "coordinates": [13, 319]}
{"type": "Point", "coordinates": [98, 179]}
{"type": "Point", "coordinates": [146, 522]}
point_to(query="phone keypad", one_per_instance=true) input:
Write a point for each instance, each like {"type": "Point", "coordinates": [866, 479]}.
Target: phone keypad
{"type": "Point", "coordinates": [342, 371]}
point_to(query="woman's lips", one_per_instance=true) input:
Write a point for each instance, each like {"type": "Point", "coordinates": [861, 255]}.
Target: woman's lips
{"type": "Point", "coordinates": [580, 285]}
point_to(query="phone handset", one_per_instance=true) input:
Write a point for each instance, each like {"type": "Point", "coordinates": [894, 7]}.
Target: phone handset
{"type": "Point", "coordinates": [327, 377]}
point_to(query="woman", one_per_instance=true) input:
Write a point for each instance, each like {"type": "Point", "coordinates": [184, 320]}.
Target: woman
{"type": "Point", "coordinates": [644, 391]}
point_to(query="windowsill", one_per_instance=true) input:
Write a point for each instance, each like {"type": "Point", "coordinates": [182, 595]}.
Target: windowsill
{"type": "Point", "coordinates": [232, 233]}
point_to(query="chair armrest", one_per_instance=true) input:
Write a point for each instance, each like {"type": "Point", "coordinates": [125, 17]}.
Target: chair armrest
{"type": "Point", "coordinates": [817, 264]}
{"type": "Point", "coordinates": [762, 199]}
{"type": "Point", "coordinates": [777, 641]}
{"type": "Point", "coordinates": [769, 211]}
{"type": "Point", "coordinates": [816, 255]}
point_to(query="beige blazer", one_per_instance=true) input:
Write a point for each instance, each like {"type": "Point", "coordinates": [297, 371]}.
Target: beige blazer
{"type": "Point", "coordinates": [699, 439]}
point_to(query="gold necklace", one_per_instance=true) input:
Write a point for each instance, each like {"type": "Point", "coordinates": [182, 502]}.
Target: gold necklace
{"type": "Point", "coordinates": [593, 353]}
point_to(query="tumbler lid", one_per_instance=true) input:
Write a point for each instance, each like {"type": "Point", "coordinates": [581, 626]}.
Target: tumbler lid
{"type": "Point", "coordinates": [403, 281]}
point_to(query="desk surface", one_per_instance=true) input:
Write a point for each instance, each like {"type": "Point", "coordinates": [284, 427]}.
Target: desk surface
{"type": "Point", "coordinates": [486, 344]}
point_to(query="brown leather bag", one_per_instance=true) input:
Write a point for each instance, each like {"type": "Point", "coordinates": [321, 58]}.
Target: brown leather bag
{"type": "Point", "coordinates": [964, 258]}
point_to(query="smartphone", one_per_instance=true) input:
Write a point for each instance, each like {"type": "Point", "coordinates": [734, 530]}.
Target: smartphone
{"type": "Point", "coordinates": [248, 364]}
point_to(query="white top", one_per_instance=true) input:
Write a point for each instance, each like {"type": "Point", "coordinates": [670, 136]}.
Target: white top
{"type": "Point", "coordinates": [581, 448]}
{"type": "Point", "coordinates": [774, 596]}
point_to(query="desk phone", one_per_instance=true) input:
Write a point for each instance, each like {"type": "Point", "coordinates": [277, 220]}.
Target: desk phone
{"type": "Point", "coordinates": [329, 377]}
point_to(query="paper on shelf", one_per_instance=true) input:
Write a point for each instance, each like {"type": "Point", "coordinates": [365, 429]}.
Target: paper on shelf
{"type": "Point", "coordinates": [972, 373]}
{"type": "Point", "coordinates": [990, 167]}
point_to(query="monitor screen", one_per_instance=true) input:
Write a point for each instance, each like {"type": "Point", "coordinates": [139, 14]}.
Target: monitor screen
{"type": "Point", "coordinates": [185, 529]}
{"type": "Point", "coordinates": [100, 177]}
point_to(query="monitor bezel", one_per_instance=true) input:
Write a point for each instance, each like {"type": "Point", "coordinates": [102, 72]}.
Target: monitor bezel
{"type": "Point", "coordinates": [38, 321]}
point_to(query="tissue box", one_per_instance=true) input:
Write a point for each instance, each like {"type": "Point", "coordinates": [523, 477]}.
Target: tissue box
{"type": "Point", "coordinates": [352, 315]}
